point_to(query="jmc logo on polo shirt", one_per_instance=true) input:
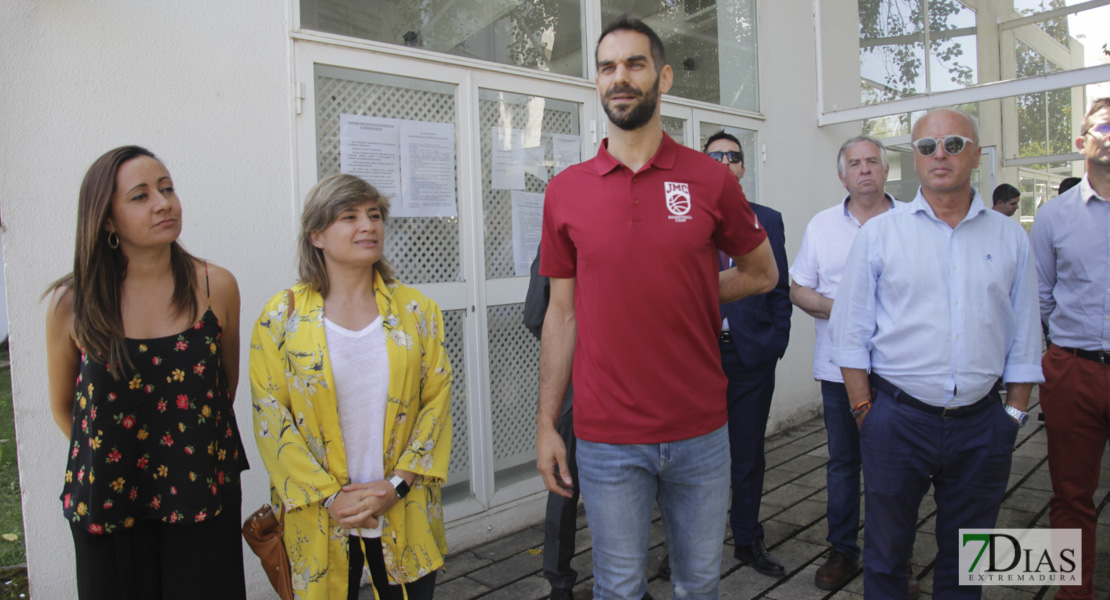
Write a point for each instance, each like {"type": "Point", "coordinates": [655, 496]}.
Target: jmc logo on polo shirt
{"type": "Point", "coordinates": [678, 201]}
{"type": "Point", "coordinates": [1020, 557]}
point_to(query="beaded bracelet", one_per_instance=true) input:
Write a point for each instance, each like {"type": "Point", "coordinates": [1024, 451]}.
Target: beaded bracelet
{"type": "Point", "coordinates": [860, 409]}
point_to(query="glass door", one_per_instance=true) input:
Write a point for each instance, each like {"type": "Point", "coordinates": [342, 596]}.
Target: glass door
{"type": "Point", "coordinates": [523, 140]}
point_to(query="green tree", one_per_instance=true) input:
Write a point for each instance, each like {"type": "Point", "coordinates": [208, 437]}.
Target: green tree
{"type": "Point", "coordinates": [1056, 28]}
{"type": "Point", "coordinates": [894, 31]}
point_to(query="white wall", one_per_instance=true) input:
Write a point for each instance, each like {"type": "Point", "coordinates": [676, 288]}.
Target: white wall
{"type": "Point", "coordinates": [206, 86]}
{"type": "Point", "coordinates": [203, 84]}
{"type": "Point", "coordinates": [3, 296]}
{"type": "Point", "coordinates": [799, 176]}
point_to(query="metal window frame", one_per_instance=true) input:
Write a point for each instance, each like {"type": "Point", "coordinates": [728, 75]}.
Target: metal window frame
{"type": "Point", "coordinates": [995, 90]}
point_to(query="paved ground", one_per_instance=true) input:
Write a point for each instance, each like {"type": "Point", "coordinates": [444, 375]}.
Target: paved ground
{"type": "Point", "coordinates": [793, 517]}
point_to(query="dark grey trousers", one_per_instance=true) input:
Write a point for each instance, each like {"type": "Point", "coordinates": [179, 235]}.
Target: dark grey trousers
{"type": "Point", "coordinates": [562, 515]}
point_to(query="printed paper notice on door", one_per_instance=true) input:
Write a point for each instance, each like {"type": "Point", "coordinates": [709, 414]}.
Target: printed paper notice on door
{"type": "Point", "coordinates": [410, 162]}
{"type": "Point", "coordinates": [566, 151]}
{"type": "Point", "coordinates": [527, 227]}
{"type": "Point", "coordinates": [370, 148]}
{"type": "Point", "coordinates": [507, 158]}
{"type": "Point", "coordinates": [428, 169]}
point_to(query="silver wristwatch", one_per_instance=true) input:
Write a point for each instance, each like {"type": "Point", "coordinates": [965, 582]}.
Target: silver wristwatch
{"type": "Point", "coordinates": [400, 486]}
{"type": "Point", "coordinates": [1020, 416]}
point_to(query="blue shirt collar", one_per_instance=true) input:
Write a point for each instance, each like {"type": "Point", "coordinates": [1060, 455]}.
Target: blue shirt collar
{"type": "Point", "coordinates": [920, 204]}
{"type": "Point", "coordinates": [1086, 192]}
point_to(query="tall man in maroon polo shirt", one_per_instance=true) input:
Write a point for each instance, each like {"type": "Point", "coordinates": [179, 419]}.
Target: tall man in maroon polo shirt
{"type": "Point", "coordinates": [630, 242]}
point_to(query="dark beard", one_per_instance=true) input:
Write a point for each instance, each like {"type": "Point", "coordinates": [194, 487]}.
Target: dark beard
{"type": "Point", "coordinates": [640, 114]}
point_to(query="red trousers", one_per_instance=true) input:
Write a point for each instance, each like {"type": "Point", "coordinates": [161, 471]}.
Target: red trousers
{"type": "Point", "coordinates": [1075, 398]}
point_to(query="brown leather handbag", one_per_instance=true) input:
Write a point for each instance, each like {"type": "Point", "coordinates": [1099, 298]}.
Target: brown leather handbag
{"type": "Point", "coordinates": [262, 531]}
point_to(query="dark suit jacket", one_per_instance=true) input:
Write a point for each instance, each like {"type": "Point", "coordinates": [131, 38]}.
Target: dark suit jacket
{"type": "Point", "coordinates": [760, 325]}
{"type": "Point", "coordinates": [535, 309]}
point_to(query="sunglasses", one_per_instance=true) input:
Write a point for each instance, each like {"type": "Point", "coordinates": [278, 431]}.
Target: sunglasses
{"type": "Point", "coordinates": [953, 144]}
{"type": "Point", "coordinates": [734, 157]}
{"type": "Point", "coordinates": [1102, 129]}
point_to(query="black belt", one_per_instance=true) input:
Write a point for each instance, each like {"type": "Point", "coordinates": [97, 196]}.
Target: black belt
{"type": "Point", "coordinates": [726, 336]}
{"type": "Point", "coordinates": [1102, 357]}
{"type": "Point", "coordinates": [941, 411]}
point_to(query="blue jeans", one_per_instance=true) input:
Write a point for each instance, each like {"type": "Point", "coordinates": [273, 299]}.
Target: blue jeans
{"type": "Point", "coordinates": [842, 472]}
{"type": "Point", "coordinates": [620, 482]}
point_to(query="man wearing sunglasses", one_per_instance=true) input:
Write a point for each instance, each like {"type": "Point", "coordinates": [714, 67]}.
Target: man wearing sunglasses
{"type": "Point", "coordinates": [754, 334]}
{"type": "Point", "coordinates": [938, 301]}
{"type": "Point", "coordinates": [1069, 240]}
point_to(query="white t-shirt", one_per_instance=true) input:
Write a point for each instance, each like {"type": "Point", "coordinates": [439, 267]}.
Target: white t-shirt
{"type": "Point", "coordinates": [360, 366]}
{"type": "Point", "coordinates": [820, 265]}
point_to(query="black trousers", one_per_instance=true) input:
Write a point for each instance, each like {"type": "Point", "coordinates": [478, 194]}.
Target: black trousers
{"type": "Point", "coordinates": [421, 589]}
{"type": "Point", "coordinates": [749, 405]}
{"type": "Point", "coordinates": [161, 561]}
{"type": "Point", "coordinates": [560, 525]}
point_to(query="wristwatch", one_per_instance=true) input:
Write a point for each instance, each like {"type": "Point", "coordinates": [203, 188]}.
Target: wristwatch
{"type": "Point", "coordinates": [400, 486]}
{"type": "Point", "coordinates": [1020, 416]}
{"type": "Point", "coordinates": [327, 501]}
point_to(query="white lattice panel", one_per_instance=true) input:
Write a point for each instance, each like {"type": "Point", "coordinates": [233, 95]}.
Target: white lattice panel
{"type": "Point", "coordinates": [514, 366]}
{"type": "Point", "coordinates": [422, 249]}
{"type": "Point", "coordinates": [513, 110]}
{"type": "Point", "coordinates": [458, 470]}
{"type": "Point", "coordinates": [675, 127]}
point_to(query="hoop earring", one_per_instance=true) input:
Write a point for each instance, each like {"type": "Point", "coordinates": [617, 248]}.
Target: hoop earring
{"type": "Point", "coordinates": [113, 240]}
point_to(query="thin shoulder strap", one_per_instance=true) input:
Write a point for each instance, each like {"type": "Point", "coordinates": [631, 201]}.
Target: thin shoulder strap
{"type": "Point", "coordinates": [207, 287]}
{"type": "Point", "coordinates": [289, 298]}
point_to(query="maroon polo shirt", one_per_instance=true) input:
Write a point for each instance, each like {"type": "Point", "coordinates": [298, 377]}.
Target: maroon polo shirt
{"type": "Point", "coordinates": [642, 248]}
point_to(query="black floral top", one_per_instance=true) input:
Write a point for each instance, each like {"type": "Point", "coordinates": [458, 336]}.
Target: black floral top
{"type": "Point", "coordinates": [159, 443]}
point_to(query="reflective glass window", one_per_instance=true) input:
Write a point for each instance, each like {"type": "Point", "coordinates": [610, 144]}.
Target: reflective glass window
{"type": "Point", "coordinates": [538, 34]}
{"type": "Point", "coordinates": [910, 47]}
{"type": "Point", "coordinates": [710, 44]}
{"type": "Point", "coordinates": [1044, 118]}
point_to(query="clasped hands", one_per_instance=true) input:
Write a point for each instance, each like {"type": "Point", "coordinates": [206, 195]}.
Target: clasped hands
{"type": "Point", "coordinates": [359, 505]}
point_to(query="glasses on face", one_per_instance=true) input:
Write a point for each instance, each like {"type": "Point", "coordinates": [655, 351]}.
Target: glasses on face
{"type": "Point", "coordinates": [953, 144]}
{"type": "Point", "coordinates": [1102, 129]}
{"type": "Point", "coordinates": [734, 157]}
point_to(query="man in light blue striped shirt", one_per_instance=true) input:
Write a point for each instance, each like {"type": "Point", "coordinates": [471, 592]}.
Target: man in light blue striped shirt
{"type": "Point", "coordinates": [1071, 241]}
{"type": "Point", "coordinates": [937, 301]}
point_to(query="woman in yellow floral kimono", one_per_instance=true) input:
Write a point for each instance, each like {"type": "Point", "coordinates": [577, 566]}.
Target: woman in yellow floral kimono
{"type": "Point", "coordinates": [351, 386]}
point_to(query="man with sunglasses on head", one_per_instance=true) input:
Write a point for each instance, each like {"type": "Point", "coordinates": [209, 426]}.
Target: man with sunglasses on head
{"type": "Point", "coordinates": [862, 166]}
{"type": "Point", "coordinates": [1069, 240]}
{"type": "Point", "coordinates": [754, 334]}
{"type": "Point", "coordinates": [938, 301]}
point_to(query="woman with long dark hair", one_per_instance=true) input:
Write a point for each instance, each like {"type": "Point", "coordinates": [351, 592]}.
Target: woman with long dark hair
{"type": "Point", "coordinates": [352, 389]}
{"type": "Point", "coordinates": [150, 336]}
